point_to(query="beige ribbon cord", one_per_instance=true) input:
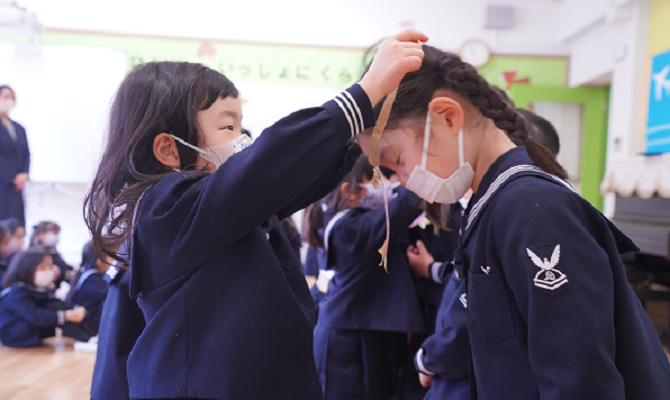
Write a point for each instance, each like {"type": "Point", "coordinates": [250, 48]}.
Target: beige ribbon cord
{"type": "Point", "coordinates": [376, 137]}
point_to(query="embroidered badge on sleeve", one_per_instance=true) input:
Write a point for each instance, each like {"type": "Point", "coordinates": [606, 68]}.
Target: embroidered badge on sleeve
{"type": "Point", "coordinates": [548, 277]}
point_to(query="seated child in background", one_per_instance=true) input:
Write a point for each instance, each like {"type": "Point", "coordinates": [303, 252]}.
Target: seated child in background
{"type": "Point", "coordinates": [18, 234]}
{"type": "Point", "coordinates": [88, 288]}
{"type": "Point", "coordinates": [28, 310]}
{"type": "Point", "coordinates": [5, 250]}
{"type": "Point", "coordinates": [46, 234]}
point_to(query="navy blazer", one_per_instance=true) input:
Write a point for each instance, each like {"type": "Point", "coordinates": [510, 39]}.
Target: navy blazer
{"type": "Point", "coordinates": [27, 313]}
{"type": "Point", "coordinates": [228, 311]}
{"type": "Point", "coordinates": [121, 323]}
{"type": "Point", "coordinates": [91, 292]}
{"type": "Point", "coordinates": [14, 159]}
{"type": "Point", "coordinates": [551, 313]}
{"type": "Point", "coordinates": [445, 354]}
{"type": "Point", "coordinates": [361, 295]}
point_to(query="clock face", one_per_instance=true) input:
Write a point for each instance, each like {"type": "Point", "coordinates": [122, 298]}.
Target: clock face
{"type": "Point", "coordinates": [475, 53]}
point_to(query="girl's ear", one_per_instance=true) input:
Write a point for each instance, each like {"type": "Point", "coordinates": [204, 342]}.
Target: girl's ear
{"type": "Point", "coordinates": [448, 113]}
{"type": "Point", "coordinates": [165, 150]}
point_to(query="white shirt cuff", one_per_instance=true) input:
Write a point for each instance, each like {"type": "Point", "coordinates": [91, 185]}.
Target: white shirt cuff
{"type": "Point", "coordinates": [419, 363]}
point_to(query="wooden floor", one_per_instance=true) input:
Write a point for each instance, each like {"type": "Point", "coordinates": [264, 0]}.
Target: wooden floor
{"type": "Point", "coordinates": [55, 371]}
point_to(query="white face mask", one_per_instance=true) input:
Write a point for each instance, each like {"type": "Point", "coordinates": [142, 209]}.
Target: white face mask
{"type": "Point", "coordinates": [50, 239]}
{"type": "Point", "coordinates": [6, 105]}
{"type": "Point", "coordinates": [44, 278]}
{"type": "Point", "coordinates": [431, 187]}
{"type": "Point", "coordinates": [217, 155]}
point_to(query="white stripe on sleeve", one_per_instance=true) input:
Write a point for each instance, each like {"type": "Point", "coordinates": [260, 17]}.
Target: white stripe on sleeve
{"type": "Point", "coordinates": [358, 110]}
{"type": "Point", "coordinates": [344, 110]}
{"type": "Point", "coordinates": [353, 114]}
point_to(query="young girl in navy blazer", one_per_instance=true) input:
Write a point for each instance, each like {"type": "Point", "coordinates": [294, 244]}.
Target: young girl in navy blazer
{"type": "Point", "coordinates": [360, 340]}
{"type": "Point", "coordinates": [229, 315]}
{"type": "Point", "coordinates": [550, 312]}
{"type": "Point", "coordinates": [28, 310]}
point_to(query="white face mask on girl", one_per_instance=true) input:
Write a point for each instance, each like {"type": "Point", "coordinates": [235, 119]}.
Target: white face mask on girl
{"type": "Point", "coordinates": [217, 155]}
{"type": "Point", "coordinates": [44, 278]}
{"type": "Point", "coordinates": [50, 239]}
{"type": "Point", "coordinates": [431, 187]}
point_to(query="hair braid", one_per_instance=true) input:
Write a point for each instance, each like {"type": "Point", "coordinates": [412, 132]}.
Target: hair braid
{"type": "Point", "coordinates": [464, 79]}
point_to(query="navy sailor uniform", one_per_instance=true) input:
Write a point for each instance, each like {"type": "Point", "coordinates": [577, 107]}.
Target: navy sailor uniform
{"type": "Point", "coordinates": [551, 314]}
{"type": "Point", "coordinates": [90, 292]}
{"type": "Point", "coordinates": [229, 314]}
{"type": "Point", "coordinates": [361, 335]}
{"type": "Point", "coordinates": [445, 353]}
{"type": "Point", "coordinates": [29, 314]}
{"type": "Point", "coordinates": [121, 323]}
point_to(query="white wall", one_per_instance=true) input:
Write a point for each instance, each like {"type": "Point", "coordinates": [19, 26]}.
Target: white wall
{"type": "Point", "coordinates": [63, 95]}
{"type": "Point", "coordinates": [349, 23]}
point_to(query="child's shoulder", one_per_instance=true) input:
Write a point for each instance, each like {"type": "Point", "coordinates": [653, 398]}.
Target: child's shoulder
{"type": "Point", "coordinates": [21, 290]}
{"type": "Point", "coordinates": [176, 185]}
{"type": "Point", "coordinates": [532, 193]}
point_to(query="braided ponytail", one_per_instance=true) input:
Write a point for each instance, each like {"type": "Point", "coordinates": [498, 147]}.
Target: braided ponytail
{"type": "Point", "coordinates": [441, 70]}
{"type": "Point", "coordinates": [465, 80]}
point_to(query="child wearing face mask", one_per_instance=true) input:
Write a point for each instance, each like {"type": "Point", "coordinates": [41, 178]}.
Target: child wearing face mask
{"type": "Point", "coordinates": [46, 234]}
{"type": "Point", "coordinates": [88, 287]}
{"type": "Point", "coordinates": [551, 314]}
{"type": "Point", "coordinates": [360, 340]}
{"type": "Point", "coordinates": [28, 310]}
{"type": "Point", "coordinates": [18, 233]}
{"type": "Point", "coordinates": [211, 268]}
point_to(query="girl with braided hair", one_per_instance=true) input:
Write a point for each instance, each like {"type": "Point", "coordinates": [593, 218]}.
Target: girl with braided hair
{"type": "Point", "coordinates": [550, 313]}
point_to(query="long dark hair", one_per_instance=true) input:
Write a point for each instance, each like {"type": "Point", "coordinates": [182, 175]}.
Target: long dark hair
{"type": "Point", "coordinates": [154, 98]}
{"type": "Point", "coordinates": [23, 266]}
{"type": "Point", "coordinates": [442, 70]}
{"type": "Point", "coordinates": [336, 201]}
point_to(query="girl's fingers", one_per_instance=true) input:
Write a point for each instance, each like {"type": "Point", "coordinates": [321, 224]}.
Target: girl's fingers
{"type": "Point", "coordinates": [421, 247]}
{"type": "Point", "coordinates": [411, 35]}
{"type": "Point", "coordinates": [411, 64]}
{"type": "Point", "coordinates": [413, 53]}
{"type": "Point", "coordinates": [410, 45]}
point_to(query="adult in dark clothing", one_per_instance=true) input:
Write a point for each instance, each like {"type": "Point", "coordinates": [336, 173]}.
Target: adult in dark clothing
{"type": "Point", "coordinates": [14, 159]}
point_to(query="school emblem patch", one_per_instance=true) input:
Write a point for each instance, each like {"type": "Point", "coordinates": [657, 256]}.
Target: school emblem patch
{"type": "Point", "coordinates": [548, 277]}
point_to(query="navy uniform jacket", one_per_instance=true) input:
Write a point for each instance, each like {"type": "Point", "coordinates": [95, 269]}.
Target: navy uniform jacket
{"type": "Point", "coordinates": [445, 354]}
{"type": "Point", "coordinates": [311, 267]}
{"type": "Point", "coordinates": [229, 315]}
{"type": "Point", "coordinates": [361, 295]}
{"type": "Point", "coordinates": [4, 264]}
{"type": "Point", "coordinates": [14, 159]}
{"type": "Point", "coordinates": [25, 312]}
{"type": "Point", "coordinates": [91, 292]}
{"type": "Point", "coordinates": [552, 315]}
{"type": "Point", "coordinates": [122, 322]}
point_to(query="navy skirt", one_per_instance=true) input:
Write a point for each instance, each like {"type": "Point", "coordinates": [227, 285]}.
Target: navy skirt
{"type": "Point", "coordinates": [358, 364]}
